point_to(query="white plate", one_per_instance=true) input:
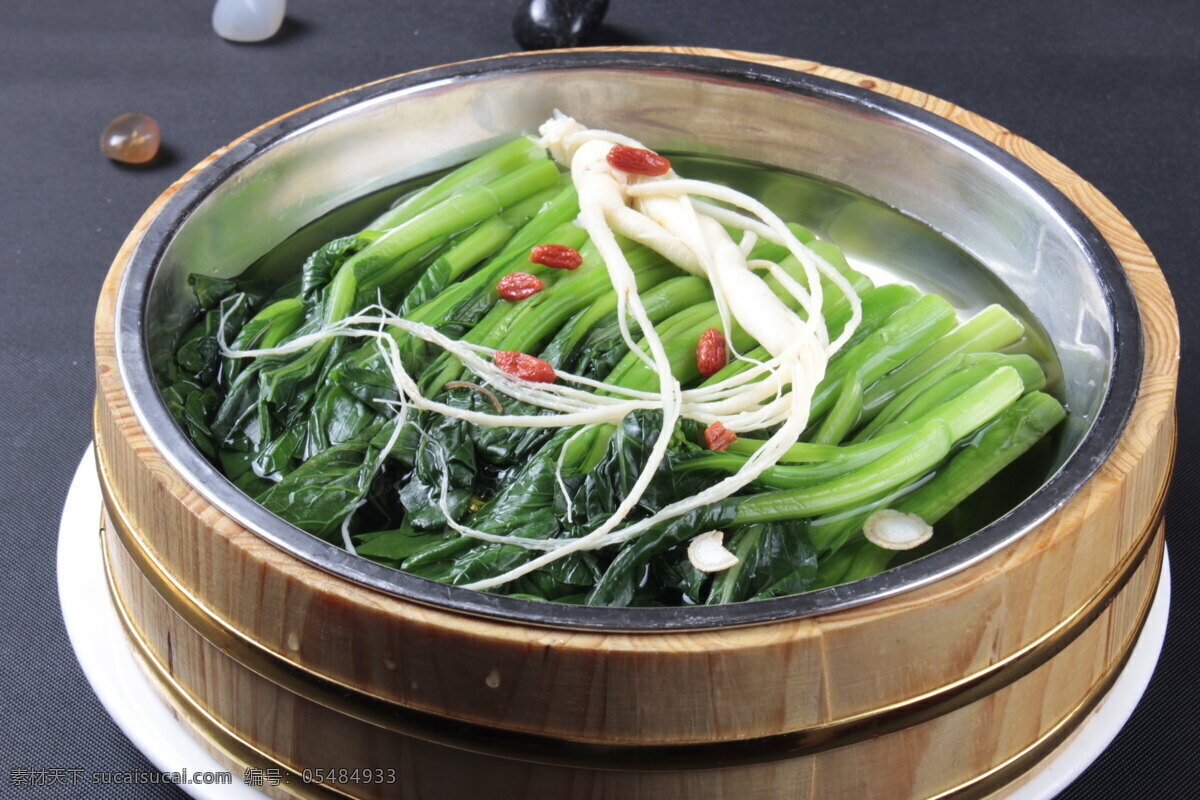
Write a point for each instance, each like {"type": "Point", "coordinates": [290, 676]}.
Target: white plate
{"type": "Point", "coordinates": [104, 653]}
{"type": "Point", "coordinates": [125, 691]}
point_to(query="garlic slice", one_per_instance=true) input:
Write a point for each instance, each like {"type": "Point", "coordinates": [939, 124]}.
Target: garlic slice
{"type": "Point", "coordinates": [895, 530]}
{"type": "Point", "coordinates": [708, 554]}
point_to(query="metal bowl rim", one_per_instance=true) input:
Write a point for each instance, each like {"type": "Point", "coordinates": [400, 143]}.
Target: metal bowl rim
{"type": "Point", "coordinates": [1099, 440]}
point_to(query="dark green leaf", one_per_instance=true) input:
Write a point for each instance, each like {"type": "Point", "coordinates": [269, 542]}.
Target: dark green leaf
{"type": "Point", "coordinates": [623, 576]}
{"type": "Point", "coordinates": [192, 406]}
{"type": "Point", "coordinates": [318, 269]}
{"type": "Point", "coordinates": [433, 281]}
{"type": "Point", "coordinates": [199, 352]}
{"type": "Point", "coordinates": [422, 501]}
{"type": "Point", "coordinates": [210, 291]}
{"type": "Point", "coordinates": [775, 559]}
{"type": "Point", "coordinates": [394, 545]}
{"type": "Point", "coordinates": [318, 494]}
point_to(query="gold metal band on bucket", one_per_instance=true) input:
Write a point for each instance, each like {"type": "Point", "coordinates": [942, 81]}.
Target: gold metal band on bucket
{"type": "Point", "coordinates": [539, 748]}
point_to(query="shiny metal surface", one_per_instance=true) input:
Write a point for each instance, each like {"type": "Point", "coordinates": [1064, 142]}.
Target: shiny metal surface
{"type": "Point", "coordinates": [983, 204]}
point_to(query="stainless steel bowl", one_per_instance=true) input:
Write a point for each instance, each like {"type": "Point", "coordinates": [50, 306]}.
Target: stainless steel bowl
{"type": "Point", "coordinates": [968, 195]}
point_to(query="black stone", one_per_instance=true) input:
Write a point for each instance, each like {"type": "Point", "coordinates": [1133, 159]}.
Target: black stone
{"type": "Point", "coordinates": [545, 24]}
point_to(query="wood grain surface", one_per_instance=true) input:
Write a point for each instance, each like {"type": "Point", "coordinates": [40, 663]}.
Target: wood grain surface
{"type": "Point", "coordinates": [273, 726]}
{"type": "Point", "coordinates": [670, 687]}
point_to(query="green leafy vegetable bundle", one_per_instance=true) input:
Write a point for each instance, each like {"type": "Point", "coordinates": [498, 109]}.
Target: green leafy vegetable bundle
{"type": "Point", "coordinates": [470, 390]}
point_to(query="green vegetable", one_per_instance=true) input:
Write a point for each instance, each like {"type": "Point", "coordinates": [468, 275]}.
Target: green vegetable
{"type": "Point", "coordinates": [998, 445]}
{"type": "Point", "coordinates": [845, 412]}
{"type": "Point", "coordinates": [915, 412]}
{"type": "Point", "coordinates": [488, 167]}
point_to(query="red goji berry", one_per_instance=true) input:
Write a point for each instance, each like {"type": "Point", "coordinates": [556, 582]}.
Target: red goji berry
{"type": "Point", "coordinates": [718, 437]}
{"type": "Point", "coordinates": [637, 161]}
{"type": "Point", "coordinates": [558, 256]}
{"type": "Point", "coordinates": [519, 285]}
{"type": "Point", "coordinates": [524, 366]}
{"type": "Point", "coordinates": [710, 352]}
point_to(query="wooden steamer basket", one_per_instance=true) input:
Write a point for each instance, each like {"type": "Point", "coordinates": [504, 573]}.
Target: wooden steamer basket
{"type": "Point", "coordinates": [946, 677]}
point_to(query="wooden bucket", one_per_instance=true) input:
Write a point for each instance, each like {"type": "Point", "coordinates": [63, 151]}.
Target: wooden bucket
{"type": "Point", "coordinates": [950, 689]}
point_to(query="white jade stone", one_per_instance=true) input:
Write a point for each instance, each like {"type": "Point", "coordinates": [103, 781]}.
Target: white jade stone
{"type": "Point", "coordinates": [248, 20]}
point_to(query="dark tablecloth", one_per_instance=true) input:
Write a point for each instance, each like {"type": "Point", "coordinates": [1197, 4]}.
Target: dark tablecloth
{"type": "Point", "coordinates": [1110, 88]}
